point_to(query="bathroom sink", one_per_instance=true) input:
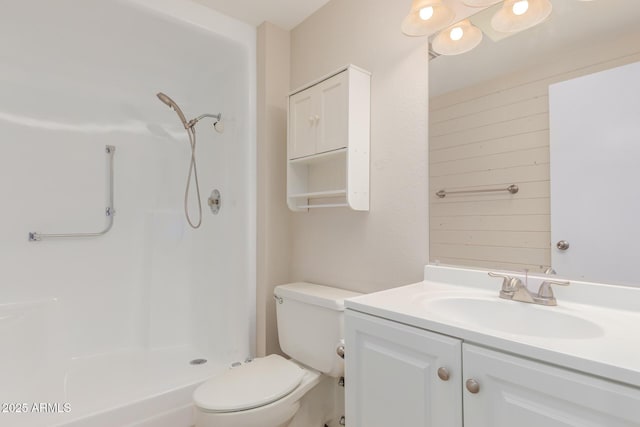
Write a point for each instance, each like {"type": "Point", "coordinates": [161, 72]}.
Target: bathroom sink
{"type": "Point", "coordinates": [512, 317]}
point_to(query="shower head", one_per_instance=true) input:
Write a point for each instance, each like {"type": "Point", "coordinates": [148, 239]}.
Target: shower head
{"type": "Point", "coordinates": [218, 124]}
{"type": "Point", "coordinates": [172, 104]}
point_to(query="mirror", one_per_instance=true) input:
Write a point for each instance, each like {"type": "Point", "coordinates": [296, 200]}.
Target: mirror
{"type": "Point", "coordinates": [498, 117]}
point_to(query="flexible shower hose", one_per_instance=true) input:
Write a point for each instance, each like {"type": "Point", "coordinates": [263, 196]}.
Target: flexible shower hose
{"type": "Point", "coordinates": [193, 171]}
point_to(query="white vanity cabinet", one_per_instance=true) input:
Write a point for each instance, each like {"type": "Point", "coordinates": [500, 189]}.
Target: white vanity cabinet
{"type": "Point", "coordinates": [392, 380]}
{"type": "Point", "coordinates": [392, 376]}
{"type": "Point", "coordinates": [518, 391]}
{"type": "Point", "coordinates": [328, 142]}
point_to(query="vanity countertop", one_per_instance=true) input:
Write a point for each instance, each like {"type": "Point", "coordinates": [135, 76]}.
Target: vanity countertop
{"type": "Point", "coordinates": [594, 328]}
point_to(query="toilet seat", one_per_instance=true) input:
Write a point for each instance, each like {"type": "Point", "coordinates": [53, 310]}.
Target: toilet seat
{"type": "Point", "coordinates": [251, 385]}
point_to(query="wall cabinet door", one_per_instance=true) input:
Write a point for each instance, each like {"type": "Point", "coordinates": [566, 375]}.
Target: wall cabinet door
{"type": "Point", "coordinates": [332, 117]}
{"type": "Point", "coordinates": [302, 124]}
{"type": "Point", "coordinates": [514, 391]}
{"type": "Point", "coordinates": [391, 375]}
{"type": "Point", "coordinates": [319, 117]}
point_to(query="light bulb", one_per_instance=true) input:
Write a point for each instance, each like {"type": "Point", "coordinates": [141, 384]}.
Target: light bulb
{"type": "Point", "coordinates": [456, 33]}
{"type": "Point", "coordinates": [426, 13]}
{"type": "Point", "coordinates": [519, 15]}
{"type": "Point", "coordinates": [457, 39]}
{"type": "Point", "coordinates": [520, 7]}
{"type": "Point", "coordinates": [426, 17]}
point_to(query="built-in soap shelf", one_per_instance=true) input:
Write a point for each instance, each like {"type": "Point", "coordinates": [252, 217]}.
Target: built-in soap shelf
{"type": "Point", "coordinates": [328, 142]}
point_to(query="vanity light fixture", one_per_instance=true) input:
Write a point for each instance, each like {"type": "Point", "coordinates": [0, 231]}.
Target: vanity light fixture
{"type": "Point", "coordinates": [518, 15]}
{"type": "Point", "coordinates": [427, 16]}
{"type": "Point", "coordinates": [458, 38]}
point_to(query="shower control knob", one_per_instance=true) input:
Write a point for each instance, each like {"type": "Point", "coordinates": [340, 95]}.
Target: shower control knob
{"type": "Point", "coordinates": [563, 245]}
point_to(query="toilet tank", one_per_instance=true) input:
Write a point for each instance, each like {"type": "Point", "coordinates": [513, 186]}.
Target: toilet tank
{"type": "Point", "coordinates": [311, 324]}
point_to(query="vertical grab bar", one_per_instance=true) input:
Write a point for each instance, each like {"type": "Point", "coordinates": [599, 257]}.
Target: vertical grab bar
{"type": "Point", "coordinates": [109, 211]}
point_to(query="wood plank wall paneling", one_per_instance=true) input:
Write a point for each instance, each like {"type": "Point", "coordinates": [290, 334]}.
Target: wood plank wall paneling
{"type": "Point", "coordinates": [497, 134]}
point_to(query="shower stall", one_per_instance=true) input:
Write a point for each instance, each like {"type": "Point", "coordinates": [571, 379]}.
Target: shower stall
{"type": "Point", "coordinates": [117, 329]}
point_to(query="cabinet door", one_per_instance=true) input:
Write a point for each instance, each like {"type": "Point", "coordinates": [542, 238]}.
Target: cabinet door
{"type": "Point", "coordinates": [519, 392]}
{"type": "Point", "coordinates": [332, 113]}
{"type": "Point", "coordinates": [391, 375]}
{"type": "Point", "coordinates": [302, 124]}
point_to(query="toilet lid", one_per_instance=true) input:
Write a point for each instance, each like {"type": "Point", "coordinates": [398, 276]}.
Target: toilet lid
{"type": "Point", "coordinates": [250, 385]}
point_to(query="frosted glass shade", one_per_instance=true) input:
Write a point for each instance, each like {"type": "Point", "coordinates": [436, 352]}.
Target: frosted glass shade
{"type": "Point", "coordinates": [480, 3]}
{"type": "Point", "coordinates": [507, 21]}
{"type": "Point", "coordinates": [458, 38]}
{"type": "Point", "coordinates": [439, 16]}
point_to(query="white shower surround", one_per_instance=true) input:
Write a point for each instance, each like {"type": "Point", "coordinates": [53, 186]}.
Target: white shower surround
{"type": "Point", "coordinates": [109, 324]}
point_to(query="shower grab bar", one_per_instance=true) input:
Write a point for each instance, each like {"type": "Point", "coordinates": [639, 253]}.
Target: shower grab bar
{"type": "Point", "coordinates": [109, 211]}
{"type": "Point", "coordinates": [513, 189]}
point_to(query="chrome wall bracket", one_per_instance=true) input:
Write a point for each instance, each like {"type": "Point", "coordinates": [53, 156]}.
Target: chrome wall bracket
{"type": "Point", "coordinates": [109, 211]}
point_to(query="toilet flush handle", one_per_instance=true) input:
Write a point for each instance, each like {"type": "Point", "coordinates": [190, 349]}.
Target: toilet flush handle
{"type": "Point", "coordinates": [340, 350]}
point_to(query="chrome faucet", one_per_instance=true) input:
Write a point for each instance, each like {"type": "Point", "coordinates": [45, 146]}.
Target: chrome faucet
{"type": "Point", "coordinates": [514, 289]}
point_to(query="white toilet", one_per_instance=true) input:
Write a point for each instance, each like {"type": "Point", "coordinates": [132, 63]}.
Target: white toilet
{"type": "Point", "coordinates": [266, 391]}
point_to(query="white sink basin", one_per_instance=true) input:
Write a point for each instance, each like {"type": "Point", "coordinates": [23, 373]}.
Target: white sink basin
{"type": "Point", "coordinates": [593, 329]}
{"type": "Point", "coordinates": [511, 317]}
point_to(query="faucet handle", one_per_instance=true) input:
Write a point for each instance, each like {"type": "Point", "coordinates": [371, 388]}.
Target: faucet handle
{"type": "Point", "coordinates": [549, 271]}
{"type": "Point", "coordinates": [508, 282]}
{"type": "Point", "coordinates": [545, 290]}
{"type": "Point", "coordinates": [506, 279]}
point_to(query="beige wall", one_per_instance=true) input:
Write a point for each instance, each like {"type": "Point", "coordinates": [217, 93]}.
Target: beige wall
{"type": "Point", "coordinates": [387, 246]}
{"type": "Point", "coordinates": [495, 134]}
{"type": "Point", "coordinates": [273, 216]}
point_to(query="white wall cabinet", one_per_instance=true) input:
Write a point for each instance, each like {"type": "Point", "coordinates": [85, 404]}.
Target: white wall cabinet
{"type": "Point", "coordinates": [392, 379]}
{"type": "Point", "coordinates": [328, 142]}
{"type": "Point", "coordinates": [319, 117]}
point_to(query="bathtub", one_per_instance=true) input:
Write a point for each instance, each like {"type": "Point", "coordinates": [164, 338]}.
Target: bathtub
{"type": "Point", "coordinates": [136, 388]}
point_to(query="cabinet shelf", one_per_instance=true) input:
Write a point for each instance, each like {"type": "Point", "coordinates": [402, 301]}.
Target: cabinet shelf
{"type": "Point", "coordinates": [318, 157]}
{"type": "Point", "coordinates": [327, 205]}
{"type": "Point", "coordinates": [319, 194]}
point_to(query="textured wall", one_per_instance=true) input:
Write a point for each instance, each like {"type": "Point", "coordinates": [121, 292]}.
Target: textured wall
{"type": "Point", "coordinates": [273, 220]}
{"type": "Point", "coordinates": [387, 246]}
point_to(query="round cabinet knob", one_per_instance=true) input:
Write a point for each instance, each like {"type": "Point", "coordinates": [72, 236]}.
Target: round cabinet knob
{"type": "Point", "coordinates": [443, 374]}
{"type": "Point", "coordinates": [473, 386]}
{"type": "Point", "coordinates": [563, 245]}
